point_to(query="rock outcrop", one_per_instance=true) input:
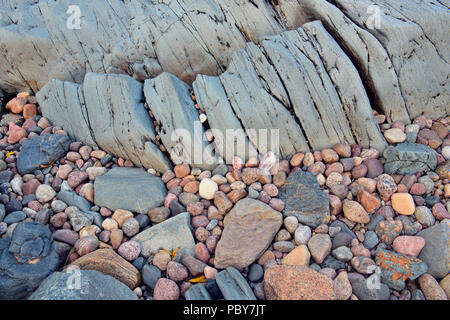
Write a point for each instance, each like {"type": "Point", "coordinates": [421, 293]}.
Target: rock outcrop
{"type": "Point", "coordinates": [313, 86]}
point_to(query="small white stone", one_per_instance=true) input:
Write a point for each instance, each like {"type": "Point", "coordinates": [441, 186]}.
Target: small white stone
{"type": "Point", "coordinates": [16, 184]}
{"type": "Point", "coordinates": [302, 235]}
{"type": "Point", "coordinates": [45, 193]}
{"type": "Point", "coordinates": [208, 188]}
{"type": "Point", "coordinates": [202, 117]}
{"type": "Point", "coordinates": [291, 224]}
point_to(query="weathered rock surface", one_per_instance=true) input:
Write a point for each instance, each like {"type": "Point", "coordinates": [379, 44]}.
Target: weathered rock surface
{"type": "Point", "coordinates": [249, 229]}
{"type": "Point", "coordinates": [130, 189]}
{"type": "Point", "coordinates": [198, 292]}
{"type": "Point", "coordinates": [436, 253]}
{"type": "Point", "coordinates": [41, 150]}
{"type": "Point", "coordinates": [233, 285]}
{"type": "Point", "coordinates": [109, 263]}
{"type": "Point", "coordinates": [409, 158]}
{"type": "Point", "coordinates": [304, 199]}
{"type": "Point", "coordinates": [168, 235]}
{"type": "Point", "coordinates": [92, 285]}
{"type": "Point", "coordinates": [26, 259]}
{"type": "Point", "coordinates": [297, 283]}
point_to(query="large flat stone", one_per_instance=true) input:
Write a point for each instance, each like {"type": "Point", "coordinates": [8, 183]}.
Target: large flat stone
{"type": "Point", "coordinates": [436, 253]}
{"type": "Point", "coordinates": [130, 189]}
{"type": "Point", "coordinates": [168, 235]}
{"type": "Point", "coordinates": [304, 199]}
{"type": "Point", "coordinates": [249, 229]}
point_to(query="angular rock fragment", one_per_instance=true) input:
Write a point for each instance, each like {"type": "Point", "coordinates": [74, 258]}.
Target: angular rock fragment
{"type": "Point", "coordinates": [409, 158]}
{"type": "Point", "coordinates": [233, 285]}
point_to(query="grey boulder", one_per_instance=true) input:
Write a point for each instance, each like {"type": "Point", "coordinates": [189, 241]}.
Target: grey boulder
{"type": "Point", "coordinates": [436, 253]}
{"type": "Point", "coordinates": [82, 285]}
{"type": "Point", "coordinates": [129, 188]}
{"type": "Point", "coordinates": [41, 150]}
{"type": "Point", "coordinates": [168, 235]}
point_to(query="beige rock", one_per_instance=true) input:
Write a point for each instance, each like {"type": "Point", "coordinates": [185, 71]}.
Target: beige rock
{"type": "Point", "coordinates": [353, 211]}
{"type": "Point", "coordinates": [300, 256]}
{"type": "Point", "coordinates": [403, 203]}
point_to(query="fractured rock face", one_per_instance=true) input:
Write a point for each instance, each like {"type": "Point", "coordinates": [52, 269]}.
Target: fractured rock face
{"type": "Point", "coordinates": [409, 158]}
{"type": "Point", "coordinates": [26, 259]}
{"type": "Point", "coordinates": [304, 199]}
{"type": "Point", "coordinates": [249, 229]}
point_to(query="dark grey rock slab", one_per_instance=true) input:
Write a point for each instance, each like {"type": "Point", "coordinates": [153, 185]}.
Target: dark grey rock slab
{"type": "Point", "coordinates": [129, 188]}
{"type": "Point", "coordinates": [233, 285]}
{"type": "Point", "coordinates": [198, 292]}
{"type": "Point", "coordinates": [41, 150]}
{"type": "Point", "coordinates": [409, 158]}
{"type": "Point", "coordinates": [436, 253]}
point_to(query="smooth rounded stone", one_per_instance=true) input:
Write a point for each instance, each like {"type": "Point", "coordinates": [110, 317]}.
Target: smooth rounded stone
{"type": "Point", "coordinates": [158, 215]}
{"type": "Point", "coordinates": [194, 265]}
{"type": "Point", "coordinates": [207, 189]}
{"type": "Point", "coordinates": [436, 253]}
{"type": "Point", "coordinates": [161, 259]}
{"type": "Point", "coordinates": [255, 273]}
{"type": "Point", "coordinates": [408, 245]}
{"type": "Point", "coordinates": [299, 256]}
{"type": "Point", "coordinates": [248, 231]}
{"type": "Point", "coordinates": [395, 135]}
{"type": "Point", "coordinates": [27, 257]}
{"type": "Point", "coordinates": [409, 158]}
{"type": "Point", "coordinates": [222, 202]}
{"type": "Point", "coordinates": [342, 239]}
{"type": "Point", "coordinates": [144, 191]}
{"type": "Point", "coordinates": [342, 286]}
{"type": "Point", "coordinates": [304, 199]}
{"type": "Point", "coordinates": [116, 238]}
{"type": "Point", "coordinates": [212, 224]}
{"type": "Point", "coordinates": [166, 289]}
{"type": "Point", "coordinates": [291, 224]}
{"type": "Point", "coordinates": [302, 235]}
{"type": "Point", "coordinates": [41, 150]}
{"type": "Point", "coordinates": [176, 208]}
{"type": "Point", "coordinates": [283, 246]}
{"type": "Point", "coordinates": [150, 275]}
{"type": "Point", "coordinates": [283, 235]}
{"type": "Point", "coordinates": [431, 288]}
{"type": "Point", "coordinates": [417, 295]}
{"type": "Point", "coordinates": [319, 246]}
{"type": "Point", "coordinates": [353, 211]}
{"type": "Point", "coordinates": [45, 193]}
{"type": "Point", "coordinates": [72, 199]}
{"type": "Point", "coordinates": [439, 212]}
{"type": "Point", "coordinates": [108, 262]}
{"type": "Point", "coordinates": [43, 216]}
{"type": "Point", "coordinates": [403, 203]}
{"type": "Point", "coordinates": [424, 216]}
{"type": "Point", "coordinates": [388, 230]}
{"type": "Point", "coordinates": [129, 250]}
{"type": "Point", "coordinates": [110, 224]}
{"type": "Point", "coordinates": [445, 284]}
{"type": "Point", "coordinates": [15, 217]}
{"type": "Point", "coordinates": [370, 239]}
{"type": "Point", "coordinates": [297, 283]}
{"type": "Point", "coordinates": [16, 184]}
{"type": "Point", "coordinates": [329, 272]}
{"type": "Point", "coordinates": [176, 271]}
{"type": "Point", "coordinates": [86, 245]}
{"type": "Point", "coordinates": [91, 230]}
{"type": "Point", "coordinates": [253, 194]}
{"type": "Point", "coordinates": [130, 227]}
{"type": "Point", "coordinates": [431, 201]}
{"type": "Point", "coordinates": [66, 236]}
{"type": "Point", "coordinates": [233, 285]}
{"type": "Point", "coordinates": [58, 206]}
{"type": "Point", "coordinates": [342, 254]}
{"type": "Point", "coordinates": [386, 186]}
{"type": "Point", "coordinates": [93, 286]}
{"type": "Point", "coordinates": [143, 220]}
